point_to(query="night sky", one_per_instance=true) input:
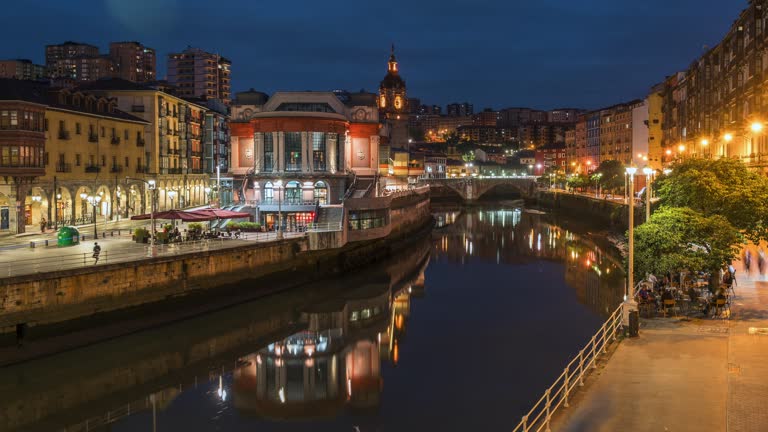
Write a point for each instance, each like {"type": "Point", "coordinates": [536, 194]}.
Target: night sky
{"type": "Point", "coordinates": [538, 53]}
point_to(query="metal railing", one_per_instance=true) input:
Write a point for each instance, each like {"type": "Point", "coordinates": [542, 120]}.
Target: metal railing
{"type": "Point", "coordinates": [325, 226]}
{"type": "Point", "coordinates": [135, 252]}
{"type": "Point", "coordinates": [558, 394]}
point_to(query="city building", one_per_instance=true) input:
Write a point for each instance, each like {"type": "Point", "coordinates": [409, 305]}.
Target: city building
{"type": "Point", "coordinates": [172, 142]}
{"type": "Point", "coordinates": [655, 131]}
{"type": "Point", "coordinates": [564, 115]}
{"type": "Point", "coordinates": [393, 106]}
{"type": "Point", "coordinates": [484, 134]}
{"type": "Point", "coordinates": [21, 69]}
{"type": "Point", "coordinates": [434, 166]}
{"type": "Point", "coordinates": [77, 62]}
{"type": "Point", "coordinates": [200, 74]}
{"type": "Point", "coordinates": [593, 141]}
{"type": "Point", "coordinates": [460, 109]}
{"type": "Point", "coordinates": [296, 152]}
{"type": "Point", "coordinates": [550, 156]}
{"type": "Point", "coordinates": [579, 156]}
{"type": "Point", "coordinates": [22, 149]}
{"type": "Point", "coordinates": [487, 117]}
{"type": "Point", "coordinates": [133, 61]}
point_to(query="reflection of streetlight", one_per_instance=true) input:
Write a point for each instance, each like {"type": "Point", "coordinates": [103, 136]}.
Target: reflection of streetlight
{"type": "Point", "coordinates": [630, 306]}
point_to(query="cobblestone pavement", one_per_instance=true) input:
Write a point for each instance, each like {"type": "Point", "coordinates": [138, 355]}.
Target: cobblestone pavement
{"type": "Point", "coordinates": [685, 374]}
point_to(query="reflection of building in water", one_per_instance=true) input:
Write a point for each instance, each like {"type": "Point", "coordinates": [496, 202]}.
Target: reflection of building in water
{"type": "Point", "coordinates": [510, 236]}
{"type": "Point", "coordinates": [336, 362]}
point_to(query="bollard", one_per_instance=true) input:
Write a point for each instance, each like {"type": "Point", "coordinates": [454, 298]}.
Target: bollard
{"type": "Point", "coordinates": [103, 235]}
{"type": "Point", "coordinates": [46, 243]}
{"type": "Point", "coordinates": [111, 233]}
{"type": "Point", "coordinates": [32, 245]}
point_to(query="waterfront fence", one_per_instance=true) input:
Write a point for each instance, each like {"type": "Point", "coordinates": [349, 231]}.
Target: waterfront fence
{"type": "Point", "coordinates": [130, 252]}
{"type": "Point", "coordinates": [559, 393]}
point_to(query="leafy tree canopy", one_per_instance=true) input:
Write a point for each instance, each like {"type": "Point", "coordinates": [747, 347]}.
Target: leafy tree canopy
{"type": "Point", "coordinates": [719, 187]}
{"type": "Point", "coordinates": [681, 238]}
{"type": "Point", "coordinates": [578, 181]}
{"type": "Point", "coordinates": [612, 174]}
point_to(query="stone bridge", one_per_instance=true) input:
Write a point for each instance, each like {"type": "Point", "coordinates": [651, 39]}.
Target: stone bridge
{"type": "Point", "coordinates": [470, 189]}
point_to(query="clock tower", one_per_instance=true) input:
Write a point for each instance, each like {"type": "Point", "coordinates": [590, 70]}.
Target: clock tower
{"type": "Point", "coordinates": [393, 104]}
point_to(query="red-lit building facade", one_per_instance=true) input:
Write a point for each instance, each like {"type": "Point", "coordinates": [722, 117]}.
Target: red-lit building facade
{"type": "Point", "coordinates": [298, 150]}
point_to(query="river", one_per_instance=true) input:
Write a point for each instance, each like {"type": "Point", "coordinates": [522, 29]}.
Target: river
{"type": "Point", "coordinates": [462, 331]}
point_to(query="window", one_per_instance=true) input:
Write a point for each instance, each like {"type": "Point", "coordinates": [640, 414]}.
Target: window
{"type": "Point", "coordinates": [269, 193]}
{"type": "Point", "coordinates": [103, 160]}
{"type": "Point", "coordinates": [268, 152]}
{"type": "Point", "coordinates": [77, 128]}
{"type": "Point", "coordinates": [45, 158]}
{"type": "Point", "coordinates": [61, 126]}
{"type": "Point", "coordinates": [77, 159]}
{"type": "Point", "coordinates": [126, 161]}
{"type": "Point", "coordinates": [321, 193]}
{"type": "Point", "coordinates": [293, 192]}
{"type": "Point", "coordinates": [125, 134]}
{"type": "Point", "coordinates": [102, 132]}
{"type": "Point", "coordinates": [293, 151]}
{"type": "Point", "coordinates": [318, 151]}
{"type": "Point", "coordinates": [368, 219]}
{"type": "Point", "coordinates": [46, 125]}
{"type": "Point", "coordinates": [114, 133]}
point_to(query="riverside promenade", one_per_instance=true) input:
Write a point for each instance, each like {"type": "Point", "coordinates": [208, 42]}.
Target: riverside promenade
{"type": "Point", "coordinates": [684, 374]}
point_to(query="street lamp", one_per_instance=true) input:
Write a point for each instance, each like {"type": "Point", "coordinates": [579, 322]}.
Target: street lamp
{"type": "Point", "coordinates": [756, 127]}
{"type": "Point", "coordinates": [597, 177]}
{"type": "Point", "coordinates": [630, 306]}
{"type": "Point", "coordinates": [648, 171]}
{"type": "Point", "coordinates": [172, 194]}
{"type": "Point", "coordinates": [207, 195]}
{"type": "Point", "coordinates": [94, 201]}
{"type": "Point", "coordinates": [704, 144]}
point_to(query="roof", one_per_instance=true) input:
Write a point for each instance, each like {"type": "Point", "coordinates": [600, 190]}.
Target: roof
{"type": "Point", "coordinates": [113, 84]}
{"type": "Point", "coordinates": [361, 99]}
{"type": "Point", "coordinates": [393, 81]}
{"type": "Point", "coordinates": [41, 93]}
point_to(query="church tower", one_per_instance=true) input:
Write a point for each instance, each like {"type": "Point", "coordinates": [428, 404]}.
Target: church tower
{"type": "Point", "coordinates": [393, 104]}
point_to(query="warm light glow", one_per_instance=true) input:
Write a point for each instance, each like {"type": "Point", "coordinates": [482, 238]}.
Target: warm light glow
{"type": "Point", "coordinates": [728, 137]}
{"type": "Point", "coordinates": [631, 170]}
{"type": "Point", "coordinates": [681, 148]}
{"type": "Point", "coordinates": [647, 171]}
{"type": "Point", "coordinates": [669, 152]}
{"type": "Point", "coordinates": [756, 127]}
{"type": "Point", "coordinates": [705, 142]}
{"type": "Point", "coordinates": [589, 162]}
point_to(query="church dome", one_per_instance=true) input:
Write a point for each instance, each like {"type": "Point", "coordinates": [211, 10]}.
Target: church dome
{"type": "Point", "coordinates": [392, 80]}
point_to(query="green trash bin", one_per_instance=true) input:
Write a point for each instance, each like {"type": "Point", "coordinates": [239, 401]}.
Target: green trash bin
{"type": "Point", "coordinates": [68, 236]}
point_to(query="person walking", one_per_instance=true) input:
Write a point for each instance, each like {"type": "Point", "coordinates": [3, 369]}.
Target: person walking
{"type": "Point", "coordinates": [96, 253]}
{"type": "Point", "coordinates": [761, 261]}
{"type": "Point", "coordinates": [747, 260]}
{"type": "Point", "coordinates": [43, 223]}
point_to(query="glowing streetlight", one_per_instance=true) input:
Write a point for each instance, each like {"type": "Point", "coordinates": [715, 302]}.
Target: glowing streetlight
{"type": "Point", "coordinates": [728, 137]}
{"type": "Point", "coordinates": [681, 147]}
{"type": "Point", "coordinates": [756, 127]}
{"type": "Point", "coordinates": [705, 142]}
{"type": "Point", "coordinates": [630, 306]}
{"type": "Point", "coordinates": [669, 152]}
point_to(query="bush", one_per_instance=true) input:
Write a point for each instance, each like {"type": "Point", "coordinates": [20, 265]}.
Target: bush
{"type": "Point", "coordinates": [168, 227]}
{"type": "Point", "coordinates": [140, 233]}
{"type": "Point", "coordinates": [243, 226]}
{"type": "Point", "coordinates": [195, 226]}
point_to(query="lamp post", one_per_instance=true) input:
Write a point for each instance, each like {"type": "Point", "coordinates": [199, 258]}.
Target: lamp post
{"type": "Point", "coordinates": [648, 171]}
{"type": "Point", "coordinates": [597, 177]}
{"type": "Point", "coordinates": [630, 306]}
{"type": "Point", "coordinates": [207, 195]}
{"type": "Point", "coordinates": [279, 232]}
{"type": "Point", "coordinates": [94, 201]}
{"type": "Point", "coordinates": [172, 194]}
{"type": "Point", "coordinates": [728, 137]}
{"type": "Point", "coordinates": [704, 145]}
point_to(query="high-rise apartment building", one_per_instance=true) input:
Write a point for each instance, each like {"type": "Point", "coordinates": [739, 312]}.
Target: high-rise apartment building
{"type": "Point", "coordinates": [197, 73]}
{"type": "Point", "coordinates": [133, 61]}
{"type": "Point", "coordinates": [77, 61]}
{"type": "Point", "coordinates": [21, 69]}
{"type": "Point", "coordinates": [460, 109]}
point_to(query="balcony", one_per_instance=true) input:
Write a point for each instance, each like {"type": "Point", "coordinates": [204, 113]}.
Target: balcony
{"type": "Point", "coordinates": [141, 169]}
{"type": "Point", "coordinates": [174, 170]}
{"type": "Point", "coordinates": [115, 140]}
{"type": "Point", "coordinates": [140, 142]}
{"type": "Point", "coordinates": [62, 167]}
{"type": "Point", "coordinates": [92, 137]}
{"type": "Point", "coordinates": [116, 169]}
{"type": "Point", "coordinates": [137, 108]}
{"type": "Point", "coordinates": [173, 151]}
{"type": "Point", "coordinates": [92, 168]}
{"type": "Point", "coordinates": [64, 135]}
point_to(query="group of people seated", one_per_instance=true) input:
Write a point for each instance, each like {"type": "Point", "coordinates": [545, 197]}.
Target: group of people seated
{"type": "Point", "coordinates": [655, 293]}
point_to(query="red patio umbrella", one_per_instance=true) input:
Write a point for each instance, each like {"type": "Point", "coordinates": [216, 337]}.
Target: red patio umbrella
{"type": "Point", "coordinates": [185, 216]}
{"type": "Point", "coordinates": [222, 214]}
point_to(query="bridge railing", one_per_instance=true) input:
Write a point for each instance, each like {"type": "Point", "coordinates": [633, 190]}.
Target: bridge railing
{"type": "Point", "coordinates": [559, 393]}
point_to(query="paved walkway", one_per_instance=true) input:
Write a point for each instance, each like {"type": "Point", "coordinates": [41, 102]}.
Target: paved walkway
{"type": "Point", "coordinates": [685, 375]}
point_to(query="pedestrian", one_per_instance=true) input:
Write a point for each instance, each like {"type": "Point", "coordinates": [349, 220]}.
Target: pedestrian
{"type": "Point", "coordinates": [21, 332]}
{"type": "Point", "coordinates": [747, 260]}
{"type": "Point", "coordinates": [761, 261]}
{"type": "Point", "coordinates": [96, 252]}
{"type": "Point", "coordinates": [43, 223]}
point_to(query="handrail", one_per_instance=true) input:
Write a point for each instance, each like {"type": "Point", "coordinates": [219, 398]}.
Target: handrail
{"type": "Point", "coordinates": [327, 226]}
{"type": "Point", "coordinates": [557, 395]}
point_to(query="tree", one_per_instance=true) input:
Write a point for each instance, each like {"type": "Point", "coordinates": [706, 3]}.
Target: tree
{"type": "Point", "coordinates": [468, 156]}
{"type": "Point", "coordinates": [680, 238]}
{"type": "Point", "coordinates": [719, 187]}
{"type": "Point", "coordinates": [612, 174]}
{"type": "Point", "coordinates": [578, 181]}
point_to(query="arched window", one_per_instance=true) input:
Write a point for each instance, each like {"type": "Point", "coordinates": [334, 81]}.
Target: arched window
{"type": "Point", "coordinates": [293, 192]}
{"type": "Point", "coordinates": [269, 193]}
{"type": "Point", "coordinates": [321, 193]}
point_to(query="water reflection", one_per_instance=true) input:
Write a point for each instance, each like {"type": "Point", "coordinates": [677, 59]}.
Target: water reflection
{"type": "Point", "coordinates": [516, 236]}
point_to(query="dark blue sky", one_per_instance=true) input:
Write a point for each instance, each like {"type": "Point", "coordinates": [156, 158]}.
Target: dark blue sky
{"type": "Point", "coordinates": [493, 53]}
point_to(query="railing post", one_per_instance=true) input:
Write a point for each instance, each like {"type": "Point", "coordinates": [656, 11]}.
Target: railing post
{"type": "Point", "coordinates": [525, 423]}
{"type": "Point", "coordinates": [106, 257]}
{"type": "Point", "coordinates": [581, 368]}
{"type": "Point", "coordinates": [605, 340]}
{"type": "Point", "coordinates": [548, 410]}
{"type": "Point", "coordinates": [567, 386]}
{"type": "Point", "coordinates": [83, 259]}
{"type": "Point", "coordinates": [594, 353]}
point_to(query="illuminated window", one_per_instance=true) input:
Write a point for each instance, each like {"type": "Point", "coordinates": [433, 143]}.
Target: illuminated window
{"type": "Point", "coordinates": [383, 101]}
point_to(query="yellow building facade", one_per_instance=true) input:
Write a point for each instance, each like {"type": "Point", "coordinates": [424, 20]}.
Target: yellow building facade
{"type": "Point", "coordinates": [90, 147]}
{"type": "Point", "coordinates": [655, 131]}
